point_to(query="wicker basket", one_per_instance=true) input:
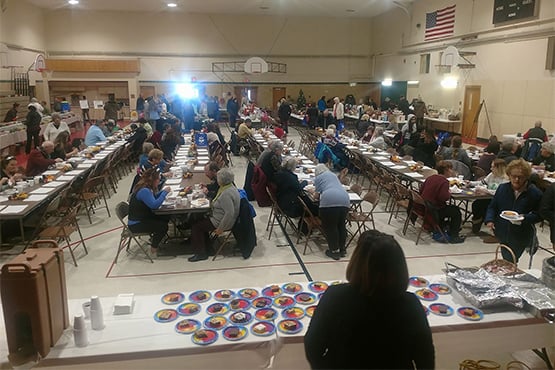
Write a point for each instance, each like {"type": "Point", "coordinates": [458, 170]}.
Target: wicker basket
{"type": "Point", "coordinates": [500, 266]}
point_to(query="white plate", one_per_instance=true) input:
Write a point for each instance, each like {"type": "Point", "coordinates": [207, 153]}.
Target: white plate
{"type": "Point", "coordinates": [509, 217]}
{"type": "Point", "coordinates": [199, 203]}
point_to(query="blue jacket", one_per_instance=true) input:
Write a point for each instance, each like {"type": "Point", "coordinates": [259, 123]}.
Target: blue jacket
{"type": "Point", "coordinates": [527, 204]}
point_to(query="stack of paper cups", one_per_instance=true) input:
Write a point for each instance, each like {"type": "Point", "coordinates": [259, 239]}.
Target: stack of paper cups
{"type": "Point", "coordinates": [97, 316]}
{"type": "Point", "coordinates": [80, 331]}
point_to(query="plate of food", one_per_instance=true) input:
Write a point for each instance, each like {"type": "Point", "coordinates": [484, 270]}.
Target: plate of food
{"type": "Point", "coordinates": [265, 314]}
{"type": "Point", "coordinates": [441, 309]}
{"type": "Point", "coordinates": [263, 329]}
{"type": "Point", "coordinates": [426, 294]}
{"type": "Point", "coordinates": [272, 291]}
{"type": "Point", "coordinates": [235, 332]}
{"type": "Point", "coordinates": [262, 302]}
{"type": "Point", "coordinates": [511, 216]}
{"type": "Point", "coordinates": [217, 308]}
{"type": "Point", "coordinates": [305, 298]}
{"type": "Point", "coordinates": [241, 317]}
{"type": "Point", "coordinates": [290, 326]}
{"type": "Point", "coordinates": [440, 288]}
{"type": "Point", "coordinates": [239, 304]}
{"type": "Point", "coordinates": [293, 313]}
{"type": "Point", "coordinates": [216, 322]}
{"type": "Point", "coordinates": [284, 302]}
{"type": "Point", "coordinates": [188, 309]}
{"type": "Point", "coordinates": [318, 286]}
{"type": "Point", "coordinates": [187, 326]}
{"type": "Point", "coordinates": [199, 203]}
{"type": "Point", "coordinates": [418, 282]}
{"type": "Point", "coordinates": [173, 298]}
{"type": "Point", "coordinates": [310, 310]}
{"type": "Point", "coordinates": [292, 288]}
{"type": "Point", "coordinates": [165, 315]}
{"type": "Point", "coordinates": [204, 337]}
{"type": "Point", "coordinates": [200, 296]}
{"type": "Point", "coordinates": [470, 313]}
{"type": "Point", "coordinates": [224, 295]}
{"type": "Point", "coordinates": [248, 293]}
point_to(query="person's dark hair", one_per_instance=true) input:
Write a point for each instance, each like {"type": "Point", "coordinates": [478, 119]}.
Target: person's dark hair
{"type": "Point", "coordinates": [456, 142]}
{"type": "Point", "coordinates": [148, 179]}
{"type": "Point", "coordinates": [7, 160]}
{"type": "Point", "coordinates": [133, 126]}
{"type": "Point", "coordinates": [142, 120]}
{"type": "Point", "coordinates": [446, 142]}
{"type": "Point", "coordinates": [378, 265]}
{"type": "Point", "coordinates": [493, 139]}
{"type": "Point", "coordinates": [213, 166]}
{"type": "Point", "coordinates": [443, 166]}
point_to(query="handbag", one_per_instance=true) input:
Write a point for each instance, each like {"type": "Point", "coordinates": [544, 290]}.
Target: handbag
{"type": "Point", "coordinates": [499, 266]}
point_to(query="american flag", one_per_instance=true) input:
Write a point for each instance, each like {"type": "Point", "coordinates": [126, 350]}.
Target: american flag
{"type": "Point", "coordinates": [440, 23]}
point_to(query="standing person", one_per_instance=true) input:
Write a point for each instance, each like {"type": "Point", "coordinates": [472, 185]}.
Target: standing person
{"type": "Point", "coordinates": [547, 210]}
{"type": "Point", "coordinates": [40, 109]}
{"type": "Point", "coordinates": [32, 122]}
{"type": "Point", "coordinates": [325, 119]}
{"type": "Point", "coordinates": [419, 107]}
{"type": "Point", "coordinates": [84, 103]}
{"type": "Point", "coordinates": [144, 199]}
{"type": "Point", "coordinates": [140, 105]}
{"type": "Point", "coordinates": [404, 106]}
{"type": "Point", "coordinates": [55, 127]}
{"type": "Point", "coordinates": [521, 196]}
{"type": "Point", "coordinates": [94, 134]}
{"type": "Point", "coordinates": [11, 115]}
{"type": "Point", "coordinates": [322, 104]}
{"type": "Point", "coordinates": [232, 110]}
{"type": "Point", "coordinates": [339, 113]}
{"type": "Point", "coordinates": [111, 108]}
{"type": "Point", "coordinates": [338, 339]}
{"type": "Point", "coordinates": [312, 113]}
{"type": "Point", "coordinates": [334, 205]}
{"type": "Point", "coordinates": [284, 113]}
{"type": "Point", "coordinates": [225, 210]}
{"type": "Point", "coordinates": [435, 191]}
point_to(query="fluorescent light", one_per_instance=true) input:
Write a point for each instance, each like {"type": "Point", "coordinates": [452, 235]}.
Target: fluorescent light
{"type": "Point", "coordinates": [387, 82]}
{"type": "Point", "coordinates": [449, 83]}
{"type": "Point", "coordinates": [352, 84]}
{"type": "Point", "coordinates": [413, 82]}
{"type": "Point", "coordinates": [172, 5]}
{"type": "Point", "coordinates": [73, 2]}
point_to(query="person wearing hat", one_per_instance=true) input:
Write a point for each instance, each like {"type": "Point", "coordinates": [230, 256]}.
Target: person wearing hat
{"type": "Point", "coordinates": [32, 122]}
{"type": "Point", "coordinates": [545, 157]}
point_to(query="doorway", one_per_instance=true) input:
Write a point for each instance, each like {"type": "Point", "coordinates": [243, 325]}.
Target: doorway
{"type": "Point", "coordinates": [470, 112]}
{"type": "Point", "coordinates": [277, 94]}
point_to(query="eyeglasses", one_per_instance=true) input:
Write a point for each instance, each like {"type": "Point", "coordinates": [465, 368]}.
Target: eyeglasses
{"type": "Point", "coordinates": [517, 177]}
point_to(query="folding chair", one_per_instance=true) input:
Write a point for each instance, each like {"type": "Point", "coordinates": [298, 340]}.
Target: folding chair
{"type": "Point", "coordinates": [361, 217]}
{"type": "Point", "coordinates": [122, 211]}
{"type": "Point", "coordinates": [312, 222]}
{"type": "Point", "coordinates": [277, 214]}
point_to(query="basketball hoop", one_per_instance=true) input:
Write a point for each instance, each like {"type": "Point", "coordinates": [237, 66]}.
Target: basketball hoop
{"type": "Point", "coordinates": [40, 63]}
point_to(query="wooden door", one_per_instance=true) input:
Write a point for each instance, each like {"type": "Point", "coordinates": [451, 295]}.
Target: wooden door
{"type": "Point", "coordinates": [470, 111]}
{"type": "Point", "coordinates": [277, 94]}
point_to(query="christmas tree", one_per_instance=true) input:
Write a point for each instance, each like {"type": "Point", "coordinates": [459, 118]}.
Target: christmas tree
{"type": "Point", "coordinates": [301, 100]}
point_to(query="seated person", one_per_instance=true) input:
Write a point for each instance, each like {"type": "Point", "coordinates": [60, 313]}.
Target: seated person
{"type": "Point", "coordinates": [111, 127]}
{"type": "Point", "coordinates": [40, 159]}
{"type": "Point", "coordinates": [94, 134]}
{"type": "Point", "coordinates": [63, 148]}
{"type": "Point", "coordinates": [426, 148]}
{"type": "Point", "coordinates": [225, 210]}
{"type": "Point", "coordinates": [146, 125]}
{"type": "Point", "coordinates": [145, 198]}
{"type": "Point", "coordinates": [10, 173]}
{"type": "Point", "coordinates": [507, 152]}
{"type": "Point", "coordinates": [363, 125]}
{"type": "Point", "coordinates": [378, 141]}
{"type": "Point", "coordinates": [154, 160]}
{"type": "Point", "coordinates": [137, 139]}
{"type": "Point", "coordinates": [368, 135]}
{"type": "Point", "coordinates": [143, 158]}
{"type": "Point", "coordinates": [170, 141]}
{"type": "Point", "coordinates": [485, 161]}
{"type": "Point", "coordinates": [245, 131]}
{"type": "Point", "coordinates": [279, 132]}
{"type": "Point", "coordinates": [211, 170]}
{"type": "Point", "coordinates": [288, 188]}
{"type": "Point", "coordinates": [536, 132]}
{"type": "Point", "coordinates": [545, 157]}
{"type": "Point", "coordinates": [496, 177]}
{"type": "Point", "coordinates": [270, 159]}
{"type": "Point", "coordinates": [456, 152]}
{"type": "Point", "coordinates": [435, 191]}
{"type": "Point", "coordinates": [494, 146]}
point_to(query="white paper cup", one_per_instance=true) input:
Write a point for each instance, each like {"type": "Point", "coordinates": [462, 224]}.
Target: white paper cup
{"type": "Point", "coordinates": [87, 309]}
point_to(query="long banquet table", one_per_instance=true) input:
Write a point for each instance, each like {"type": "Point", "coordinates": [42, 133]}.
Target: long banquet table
{"type": "Point", "coordinates": [138, 336]}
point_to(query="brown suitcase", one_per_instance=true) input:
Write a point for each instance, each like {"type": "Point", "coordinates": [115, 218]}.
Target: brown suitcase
{"type": "Point", "coordinates": [34, 300]}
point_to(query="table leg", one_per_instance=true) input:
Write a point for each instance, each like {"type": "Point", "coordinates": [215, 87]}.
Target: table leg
{"type": "Point", "coordinates": [21, 230]}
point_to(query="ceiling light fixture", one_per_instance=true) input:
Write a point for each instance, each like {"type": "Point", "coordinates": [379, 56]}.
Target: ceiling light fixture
{"type": "Point", "coordinates": [73, 2]}
{"type": "Point", "coordinates": [449, 83]}
{"type": "Point", "coordinates": [413, 82]}
{"type": "Point", "coordinates": [172, 5]}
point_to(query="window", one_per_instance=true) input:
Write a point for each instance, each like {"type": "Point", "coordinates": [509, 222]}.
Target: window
{"type": "Point", "coordinates": [424, 63]}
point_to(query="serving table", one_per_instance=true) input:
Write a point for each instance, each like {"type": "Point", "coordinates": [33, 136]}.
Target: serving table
{"type": "Point", "coordinates": [138, 335]}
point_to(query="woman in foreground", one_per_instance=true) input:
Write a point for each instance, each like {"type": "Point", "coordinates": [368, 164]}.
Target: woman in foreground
{"type": "Point", "coordinates": [371, 322]}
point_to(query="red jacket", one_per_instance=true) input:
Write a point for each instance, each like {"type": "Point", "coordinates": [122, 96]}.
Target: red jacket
{"type": "Point", "coordinates": [38, 162]}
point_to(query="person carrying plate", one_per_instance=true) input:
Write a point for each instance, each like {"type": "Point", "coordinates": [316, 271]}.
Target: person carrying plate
{"type": "Point", "coordinates": [371, 322]}
{"type": "Point", "coordinates": [521, 196]}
